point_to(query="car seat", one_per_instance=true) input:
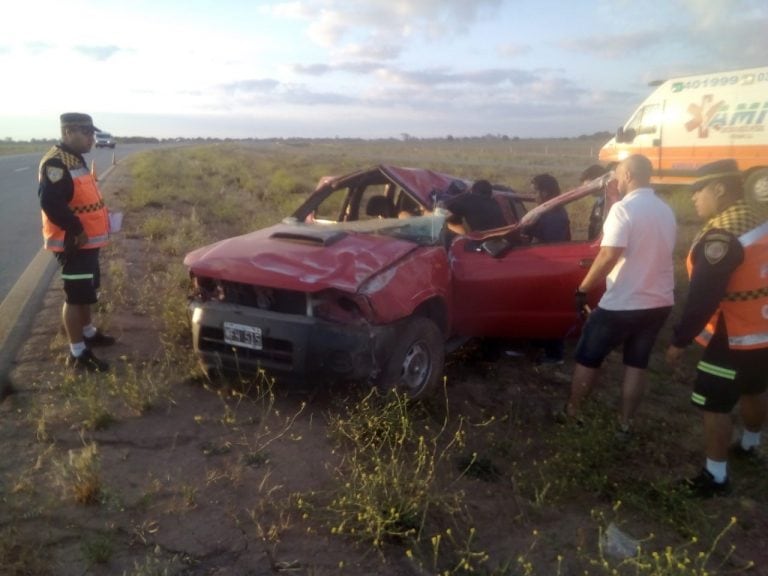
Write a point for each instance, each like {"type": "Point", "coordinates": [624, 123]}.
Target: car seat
{"type": "Point", "coordinates": [380, 206]}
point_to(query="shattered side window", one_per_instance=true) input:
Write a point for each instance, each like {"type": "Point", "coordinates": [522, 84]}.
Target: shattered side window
{"type": "Point", "coordinates": [333, 207]}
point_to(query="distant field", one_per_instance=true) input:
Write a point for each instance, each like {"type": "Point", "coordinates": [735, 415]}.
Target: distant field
{"type": "Point", "coordinates": [495, 154]}
{"type": "Point", "coordinates": [259, 182]}
{"type": "Point", "coordinates": [9, 148]}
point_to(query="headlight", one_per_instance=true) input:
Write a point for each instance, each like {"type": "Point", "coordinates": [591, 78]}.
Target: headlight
{"type": "Point", "coordinates": [205, 289]}
{"type": "Point", "coordinates": [339, 306]}
{"type": "Point", "coordinates": [197, 314]}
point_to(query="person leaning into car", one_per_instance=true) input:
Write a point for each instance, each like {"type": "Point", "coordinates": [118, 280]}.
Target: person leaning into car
{"type": "Point", "coordinates": [726, 312]}
{"type": "Point", "coordinates": [75, 227]}
{"type": "Point", "coordinates": [636, 263]}
{"type": "Point", "coordinates": [475, 210]}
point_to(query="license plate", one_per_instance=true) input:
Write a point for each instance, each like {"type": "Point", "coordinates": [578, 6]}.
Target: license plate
{"type": "Point", "coordinates": [242, 335]}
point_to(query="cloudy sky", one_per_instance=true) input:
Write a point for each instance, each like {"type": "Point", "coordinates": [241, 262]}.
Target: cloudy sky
{"type": "Point", "coordinates": [358, 68]}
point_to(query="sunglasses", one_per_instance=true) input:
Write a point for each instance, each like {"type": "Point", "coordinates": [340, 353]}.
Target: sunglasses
{"type": "Point", "coordinates": [83, 130]}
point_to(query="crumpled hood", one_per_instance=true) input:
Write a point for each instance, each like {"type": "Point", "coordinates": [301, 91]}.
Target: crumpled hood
{"type": "Point", "coordinates": [302, 258]}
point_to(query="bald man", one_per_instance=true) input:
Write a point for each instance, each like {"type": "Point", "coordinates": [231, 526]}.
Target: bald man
{"type": "Point", "coordinates": [636, 263]}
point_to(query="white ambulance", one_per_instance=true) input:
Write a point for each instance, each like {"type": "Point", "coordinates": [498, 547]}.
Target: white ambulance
{"type": "Point", "coordinates": [694, 120]}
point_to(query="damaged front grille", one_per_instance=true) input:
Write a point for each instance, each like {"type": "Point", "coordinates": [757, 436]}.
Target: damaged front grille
{"type": "Point", "coordinates": [273, 299]}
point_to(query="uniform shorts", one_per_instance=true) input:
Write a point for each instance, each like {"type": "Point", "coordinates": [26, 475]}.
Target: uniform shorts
{"type": "Point", "coordinates": [724, 375]}
{"type": "Point", "coordinates": [81, 275]}
{"type": "Point", "coordinates": [605, 330]}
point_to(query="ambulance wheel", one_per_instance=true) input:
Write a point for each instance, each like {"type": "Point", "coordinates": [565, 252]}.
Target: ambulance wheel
{"type": "Point", "coordinates": [756, 186]}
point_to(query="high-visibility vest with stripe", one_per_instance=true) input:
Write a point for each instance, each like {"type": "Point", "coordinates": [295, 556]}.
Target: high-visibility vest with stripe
{"type": "Point", "coordinates": [745, 304]}
{"type": "Point", "coordinates": [87, 204]}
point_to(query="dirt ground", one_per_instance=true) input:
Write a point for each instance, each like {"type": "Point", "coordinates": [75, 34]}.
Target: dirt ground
{"type": "Point", "coordinates": [181, 492]}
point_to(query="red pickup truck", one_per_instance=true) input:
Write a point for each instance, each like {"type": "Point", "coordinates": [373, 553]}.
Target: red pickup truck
{"type": "Point", "coordinates": [340, 291]}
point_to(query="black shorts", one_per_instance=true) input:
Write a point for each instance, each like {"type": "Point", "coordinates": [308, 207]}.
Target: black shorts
{"type": "Point", "coordinates": [724, 375]}
{"type": "Point", "coordinates": [604, 330]}
{"type": "Point", "coordinates": [81, 275]}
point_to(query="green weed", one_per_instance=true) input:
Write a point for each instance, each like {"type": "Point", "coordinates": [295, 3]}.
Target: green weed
{"type": "Point", "coordinates": [97, 549]}
{"type": "Point", "coordinates": [578, 457]}
{"type": "Point", "coordinates": [264, 423]}
{"type": "Point", "coordinates": [158, 226]}
{"type": "Point", "coordinates": [142, 387]}
{"type": "Point", "coordinates": [89, 396]}
{"type": "Point", "coordinates": [387, 481]}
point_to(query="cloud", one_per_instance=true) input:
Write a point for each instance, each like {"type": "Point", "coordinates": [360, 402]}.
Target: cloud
{"type": "Point", "coordinates": [716, 13]}
{"type": "Point", "coordinates": [99, 53]}
{"type": "Point", "coordinates": [36, 48]}
{"type": "Point", "coordinates": [362, 68]}
{"type": "Point", "coordinates": [734, 42]}
{"type": "Point", "coordinates": [446, 77]}
{"type": "Point", "coordinates": [453, 92]}
{"type": "Point", "coordinates": [371, 51]}
{"type": "Point", "coordinates": [616, 46]}
{"type": "Point", "coordinates": [427, 77]}
{"type": "Point", "coordinates": [314, 69]}
{"type": "Point", "coordinates": [512, 50]}
{"type": "Point", "coordinates": [260, 86]}
{"type": "Point", "coordinates": [705, 35]}
{"type": "Point", "coordinates": [300, 95]}
{"type": "Point", "coordinates": [344, 27]}
{"type": "Point", "coordinates": [269, 91]}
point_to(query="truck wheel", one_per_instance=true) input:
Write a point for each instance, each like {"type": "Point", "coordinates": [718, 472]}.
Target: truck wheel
{"type": "Point", "coordinates": [415, 365]}
{"type": "Point", "coordinates": [756, 186]}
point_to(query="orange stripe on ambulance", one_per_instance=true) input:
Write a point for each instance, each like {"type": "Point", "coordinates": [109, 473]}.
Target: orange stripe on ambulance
{"type": "Point", "coordinates": [690, 121]}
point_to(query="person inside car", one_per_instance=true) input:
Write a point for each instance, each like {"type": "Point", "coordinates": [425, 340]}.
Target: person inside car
{"type": "Point", "coordinates": [475, 210]}
{"type": "Point", "coordinates": [553, 225]}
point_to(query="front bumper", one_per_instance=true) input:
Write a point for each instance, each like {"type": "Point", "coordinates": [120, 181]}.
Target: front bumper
{"type": "Point", "coordinates": [292, 345]}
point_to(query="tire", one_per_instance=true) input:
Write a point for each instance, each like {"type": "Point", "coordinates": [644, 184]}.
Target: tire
{"type": "Point", "coordinates": [756, 186]}
{"type": "Point", "coordinates": [415, 366]}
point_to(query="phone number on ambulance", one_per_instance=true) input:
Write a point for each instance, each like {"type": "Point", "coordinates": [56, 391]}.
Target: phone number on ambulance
{"type": "Point", "coordinates": [721, 81]}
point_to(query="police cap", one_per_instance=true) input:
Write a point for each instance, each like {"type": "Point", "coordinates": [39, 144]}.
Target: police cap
{"type": "Point", "coordinates": [77, 119]}
{"type": "Point", "coordinates": [715, 171]}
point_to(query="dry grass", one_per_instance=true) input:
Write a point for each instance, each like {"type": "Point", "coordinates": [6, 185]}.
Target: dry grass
{"type": "Point", "coordinates": [187, 478]}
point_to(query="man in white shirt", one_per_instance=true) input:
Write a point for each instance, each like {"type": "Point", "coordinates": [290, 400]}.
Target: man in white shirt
{"type": "Point", "coordinates": [636, 263]}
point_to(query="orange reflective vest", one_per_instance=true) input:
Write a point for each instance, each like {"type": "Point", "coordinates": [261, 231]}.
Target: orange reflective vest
{"type": "Point", "coordinates": [87, 204]}
{"type": "Point", "coordinates": [745, 304]}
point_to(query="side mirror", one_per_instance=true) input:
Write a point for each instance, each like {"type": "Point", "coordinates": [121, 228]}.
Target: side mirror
{"type": "Point", "coordinates": [496, 247]}
{"type": "Point", "coordinates": [625, 135]}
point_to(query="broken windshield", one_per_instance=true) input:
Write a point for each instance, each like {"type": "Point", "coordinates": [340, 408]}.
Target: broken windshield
{"type": "Point", "coordinates": [422, 230]}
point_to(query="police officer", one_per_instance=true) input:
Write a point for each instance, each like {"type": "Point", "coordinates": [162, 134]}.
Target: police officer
{"type": "Point", "coordinates": [727, 312]}
{"type": "Point", "coordinates": [75, 227]}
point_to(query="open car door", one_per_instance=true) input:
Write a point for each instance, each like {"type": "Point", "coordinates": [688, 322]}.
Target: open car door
{"type": "Point", "coordinates": [506, 286]}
